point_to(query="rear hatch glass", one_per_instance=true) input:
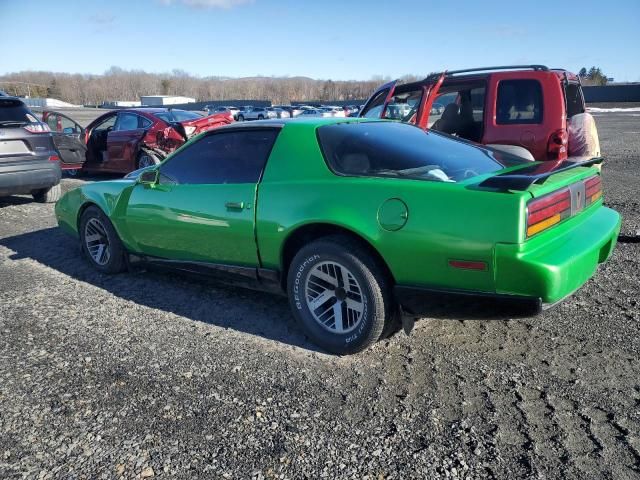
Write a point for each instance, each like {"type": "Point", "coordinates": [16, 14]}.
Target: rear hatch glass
{"type": "Point", "coordinates": [393, 149]}
{"type": "Point", "coordinates": [14, 112]}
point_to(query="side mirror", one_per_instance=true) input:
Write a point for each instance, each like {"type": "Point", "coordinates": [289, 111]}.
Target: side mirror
{"type": "Point", "coordinates": [148, 177]}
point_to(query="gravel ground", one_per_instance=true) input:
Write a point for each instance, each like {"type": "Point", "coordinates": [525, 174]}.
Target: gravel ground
{"type": "Point", "coordinates": [156, 375]}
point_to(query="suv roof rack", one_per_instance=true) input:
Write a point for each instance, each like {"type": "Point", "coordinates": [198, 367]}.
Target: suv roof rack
{"type": "Point", "coordinates": [543, 68]}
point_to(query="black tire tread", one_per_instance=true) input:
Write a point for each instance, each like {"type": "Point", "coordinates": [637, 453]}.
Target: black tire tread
{"type": "Point", "coordinates": [374, 273]}
{"type": "Point", "coordinates": [117, 262]}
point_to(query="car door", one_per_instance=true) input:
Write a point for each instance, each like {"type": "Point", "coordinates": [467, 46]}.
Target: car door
{"type": "Point", "coordinates": [202, 208]}
{"type": "Point", "coordinates": [375, 106]}
{"type": "Point", "coordinates": [68, 138]}
{"type": "Point", "coordinates": [519, 116]}
{"type": "Point", "coordinates": [123, 140]}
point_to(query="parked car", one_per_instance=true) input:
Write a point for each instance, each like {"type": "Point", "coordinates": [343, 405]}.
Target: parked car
{"type": "Point", "coordinates": [29, 163]}
{"type": "Point", "coordinates": [253, 113]}
{"type": "Point", "coordinates": [275, 112]}
{"type": "Point", "coordinates": [234, 111]}
{"type": "Point", "coordinates": [334, 111]}
{"type": "Point", "coordinates": [530, 110]}
{"type": "Point", "coordinates": [125, 140]}
{"type": "Point", "coordinates": [293, 111]}
{"type": "Point", "coordinates": [355, 221]}
{"type": "Point", "coordinates": [315, 112]}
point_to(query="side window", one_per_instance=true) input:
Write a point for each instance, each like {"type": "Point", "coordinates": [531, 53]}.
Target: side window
{"type": "Point", "coordinates": [575, 101]}
{"type": "Point", "coordinates": [126, 121]}
{"type": "Point", "coordinates": [144, 122]}
{"type": "Point", "coordinates": [375, 106]}
{"type": "Point", "coordinates": [519, 102]}
{"type": "Point", "coordinates": [229, 157]}
{"type": "Point", "coordinates": [459, 112]}
{"type": "Point", "coordinates": [69, 126]}
{"type": "Point", "coordinates": [108, 122]}
{"type": "Point", "coordinates": [52, 121]}
{"type": "Point", "coordinates": [403, 106]}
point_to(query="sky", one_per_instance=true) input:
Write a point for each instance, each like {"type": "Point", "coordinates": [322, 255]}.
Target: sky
{"type": "Point", "coordinates": [326, 39]}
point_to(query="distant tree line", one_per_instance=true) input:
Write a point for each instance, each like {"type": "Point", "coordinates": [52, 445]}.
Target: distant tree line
{"type": "Point", "coordinates": [119, 84]}
{"type": "Point", "coordinates": [593, 76]}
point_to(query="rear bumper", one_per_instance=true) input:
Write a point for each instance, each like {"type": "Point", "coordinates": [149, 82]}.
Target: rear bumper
{"type": "Point", "coordinates": [539, 273]}
{"type": "Point", "coordinates": [22, 176]}
{"type": "Point", "coordinates": [558, 262]}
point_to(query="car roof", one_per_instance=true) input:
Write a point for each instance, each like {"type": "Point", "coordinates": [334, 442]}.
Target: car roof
{"type": "Point", "coordinates": [282, 122]}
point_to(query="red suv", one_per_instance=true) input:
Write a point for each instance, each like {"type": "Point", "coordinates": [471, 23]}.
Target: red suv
{"type": "Point", "coordinates": [529, 110]}
{"type": "Point", "coordinates": [124, 140]}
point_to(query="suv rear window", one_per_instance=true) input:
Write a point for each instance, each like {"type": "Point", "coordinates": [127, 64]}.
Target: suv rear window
{"type": "Point", "coordinates": [12, 110]}
{"type": "Point", "coordinates": [519, 102]}
{"type": "Point", "coordinates": [382, 149]}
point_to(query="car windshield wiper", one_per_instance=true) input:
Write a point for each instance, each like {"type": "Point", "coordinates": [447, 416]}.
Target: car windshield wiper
{"type": "Point", "coordinates": [15, 123]}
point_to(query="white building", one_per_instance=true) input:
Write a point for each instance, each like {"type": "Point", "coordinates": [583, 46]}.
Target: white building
{"type": "Point", "coordinates": [121, 103]}
{"type": "Point", "coordinates": [162, 100]}
{"type": "Point", "coordinates": [47, 102]}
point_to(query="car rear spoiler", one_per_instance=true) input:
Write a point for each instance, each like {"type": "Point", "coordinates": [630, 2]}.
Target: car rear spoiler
{"type": "Point", "coordinates": [521, 181]}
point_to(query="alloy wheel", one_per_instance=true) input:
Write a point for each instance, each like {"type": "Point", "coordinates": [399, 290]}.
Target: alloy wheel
{"type": "Point", "coordinates": [97, 241]}
{"type": "Point", "coordinates": [334, 297]}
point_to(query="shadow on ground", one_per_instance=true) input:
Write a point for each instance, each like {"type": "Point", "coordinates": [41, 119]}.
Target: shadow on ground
{"type": "Point", "coordinates": [202, 299]}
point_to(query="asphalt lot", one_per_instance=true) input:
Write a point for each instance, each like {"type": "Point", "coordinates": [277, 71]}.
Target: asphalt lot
{"type": "Point", "coordinates": [156, 375]}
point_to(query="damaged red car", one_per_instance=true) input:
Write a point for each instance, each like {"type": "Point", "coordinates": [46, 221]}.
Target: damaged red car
{"type": "Point", "coordinates": [121, 141]}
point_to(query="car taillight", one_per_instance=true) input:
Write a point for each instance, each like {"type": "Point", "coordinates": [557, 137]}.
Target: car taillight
{"type": "Point", "coordinates": [558, 145]}
{"type": "Point", "coordinates": [54, 158]}
{"type": "Point", "coordinates": [592, 189]}
{"type": "Point", "coordinates": [189, 130]}
{"type": "Point", "coordinates": [37, 128]}
{"type": "Point", "coordinates": [547, 211]}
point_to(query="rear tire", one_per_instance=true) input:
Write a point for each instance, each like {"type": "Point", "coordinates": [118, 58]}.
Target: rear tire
{"type": "Point", "coordinates": [260, 117]}
{"type": "Point", "coordinates": [340, 294]}
{"type": "Point", "coordinates": [241, 118]}
{"type": "Point", "coordinates": [47, 195]}
{"type": "Point", "coordinates": [100, 242]}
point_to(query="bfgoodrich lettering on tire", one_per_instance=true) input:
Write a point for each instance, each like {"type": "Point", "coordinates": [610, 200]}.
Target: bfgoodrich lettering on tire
{"type": "Point", "coordinates": [339, 294]}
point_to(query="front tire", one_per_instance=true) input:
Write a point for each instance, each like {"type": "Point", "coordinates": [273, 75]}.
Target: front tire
{"type": "Point", "coordinates": [241, 118]}
{"type": "Point", "coordinates": [260, 117]}
{"type": "Point", "coordinates": [47, 195]}
{"type": "Point", "coordinates": [340, 294]}
{"type": "Point", "coordinates": [100, 242]}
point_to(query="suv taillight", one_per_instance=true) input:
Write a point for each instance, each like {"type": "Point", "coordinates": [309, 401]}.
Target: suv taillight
{"type": "Point", "coordinates": [37, 128]}
{"type": "Point", "coordinates": [547, 211]}
{"type": "Point", "coordinates": [557, 146]}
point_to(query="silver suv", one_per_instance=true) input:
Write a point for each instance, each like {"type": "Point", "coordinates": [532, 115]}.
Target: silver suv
{"type": "Point", "coordinates": [29, 163]}
{"type": "Point", "coordinates": [255, 113]}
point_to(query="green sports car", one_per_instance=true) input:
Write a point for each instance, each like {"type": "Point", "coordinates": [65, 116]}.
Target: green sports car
{"type": "Point", "coordinates": [357, 221]}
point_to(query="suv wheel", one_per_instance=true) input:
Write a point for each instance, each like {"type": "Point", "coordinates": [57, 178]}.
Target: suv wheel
{"type": "Point", "coordinates": [100, 242]}
{"type": "Point", "coordinates": [241, 118]}
{"type": "Point", "coordinates": [47, 195]}
{"type": "Point", "coordinates": [260, 117]}
{"type": "Point", "coordinates": [340, 295]}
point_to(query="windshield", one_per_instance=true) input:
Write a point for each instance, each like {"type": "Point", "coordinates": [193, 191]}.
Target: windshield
{"type": "Point", "coordinates": [392, 149]}
{"type": "Point", "coordinates": [178, 116]}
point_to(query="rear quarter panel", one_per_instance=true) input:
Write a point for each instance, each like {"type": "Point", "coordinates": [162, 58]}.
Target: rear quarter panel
{"type": "Point", "coordinates": [445, 221]}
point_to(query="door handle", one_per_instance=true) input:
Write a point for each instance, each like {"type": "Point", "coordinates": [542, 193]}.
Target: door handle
{"type": "Point", "coordinates": [234, 205]}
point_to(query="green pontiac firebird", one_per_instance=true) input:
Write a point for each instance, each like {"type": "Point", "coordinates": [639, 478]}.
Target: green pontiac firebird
{"type": "Point", "coordinates": [353, 219]}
